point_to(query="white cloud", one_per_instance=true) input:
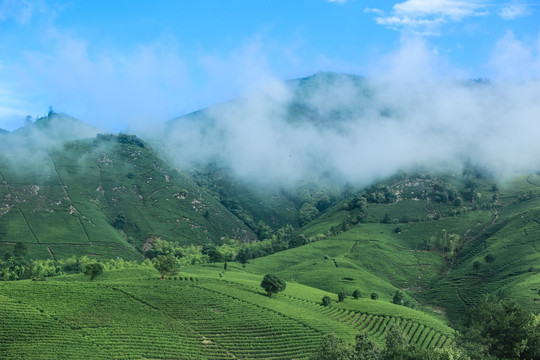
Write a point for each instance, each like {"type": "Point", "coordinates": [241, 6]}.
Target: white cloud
{"type": "Point", "coordinates": [426, 16]}
{"type": "Point", "coordinates": [453, 9]}
{"type": "Point", "coordinates": [512, 11]}
{"type": "Point", "coordinates": [515, 60]}
{"type": "Point", "coordinates": [412, 116]}
{"type": "Point", "coordinates": [379, 12]}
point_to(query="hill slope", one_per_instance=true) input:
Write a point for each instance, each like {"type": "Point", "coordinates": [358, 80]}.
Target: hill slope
{"type": "Point", "coordinates": [104, 197]}
{"type": "Point", "coordinates": [193, 316]}
{"type": "Point", "coordinates": [415, 240]}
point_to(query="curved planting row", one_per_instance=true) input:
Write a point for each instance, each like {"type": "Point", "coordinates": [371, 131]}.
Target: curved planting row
{"type": "Point", "coordinates": [74, 321]}
{"type": "Point", "coordinates": [377, 325]}
{"type": "Point", "coordinates": [28, 333]}
{"type": "Point", "coordinates": [242, 329]}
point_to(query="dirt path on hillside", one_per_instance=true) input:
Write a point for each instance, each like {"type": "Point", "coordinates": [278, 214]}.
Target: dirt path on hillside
{"type": "Point", "coordinates": [50, 252]}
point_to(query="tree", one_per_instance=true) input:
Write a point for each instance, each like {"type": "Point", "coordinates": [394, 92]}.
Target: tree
{"type": "Point", "coordinates": [272, 284]}
{"type": "Point", "coordinates": [341, 296]}
{"type": "Point", "coordinates": [333, 348]}
{"type": "Point", "coordinates": [225, 266]}
{"type": "Point", "coordinates": [215, 256]}
{"type": "Point", "coordinates": [166, 265]}
{"type": "Point", "coordinates": [326, 300]}
{"type": "Point", "coordinates": [120, 221]}
{"type": "Point", "coordinates": [396, 344]}
{"type": "Point", "coordinates": [502, 329]}
{"type": "Point", "coordinates": [243, 256]}
{"type": "Point", "coordinates": [366, 349]}
{"type": "Point", "coordinates": [307, 213]}
{"type": "Point", "coordinates": [356, 294]}
{"type": "Point", "coordinates": [93, 269]}
{"type": "Point", "coordinates": [399, 298]}
{"type": "Point", "coordinates": [374, 296]}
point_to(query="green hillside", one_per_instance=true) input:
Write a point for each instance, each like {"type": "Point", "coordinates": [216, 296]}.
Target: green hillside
{"type": "Point", "coordinates": [108, 196]}
{"type": "Point", "coordinates": [424, 247]}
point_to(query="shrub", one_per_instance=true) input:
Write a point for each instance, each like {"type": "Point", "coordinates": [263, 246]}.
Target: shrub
{"type": "Point", "coordinates": [326, 301]}
{"type": "Point", "coordinates": [341, 296]}
{"type": "Point", "coordinates": [93, 269]}
{"type": "Point", "coordinates": [356, 294]}
{"type": "Point", "coordinates": [374, 296]}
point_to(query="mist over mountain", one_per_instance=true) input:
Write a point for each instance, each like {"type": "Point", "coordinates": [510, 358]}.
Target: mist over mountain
{"type": "Point", "coordinates": [358, 129]}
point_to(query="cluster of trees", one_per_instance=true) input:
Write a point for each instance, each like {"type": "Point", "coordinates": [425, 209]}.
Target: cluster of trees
{"type": "Point", "coordinates": [14, 266]}
{"type": "Point", "coordinates": [356, 208]}
{"type": "Point", "coordinates": [446, 194]}
{"type": "Point", "coordinates": [121, 138]}
{"type": "Point", "coordinates": [448, 243]}
{"type": "Point", "coordinates": [327, 300]}
{"type": "Point", "coordinates": [380, 194]}
{"type": "Point", "coordinates": [312, 200]}
{"type": "Point", "coordinates": [396, 348]}
{"type": "Point", "coordinates": [496, 330]}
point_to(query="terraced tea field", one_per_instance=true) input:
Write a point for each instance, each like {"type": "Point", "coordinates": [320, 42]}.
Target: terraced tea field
{"type": "Point", "coordinates": [131, 314]}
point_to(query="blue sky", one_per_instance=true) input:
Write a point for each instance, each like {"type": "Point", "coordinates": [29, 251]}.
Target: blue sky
{"type": "Point", "coordinates": [123, 64]}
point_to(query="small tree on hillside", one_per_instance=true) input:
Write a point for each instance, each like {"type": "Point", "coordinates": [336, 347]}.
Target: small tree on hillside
{"type": "Point", "coordinates": [166, 265]}
{"type": "Point", "coordinates": [272, 284]}
{"type": "Point", "coordinates": [326, 300]}
{"type": "Point", "coordinates": [93, 269]}
{"type": "Point", "coordinates": [356, 294]}
{"type": "Point", "coordinates": [399, 298]}
{"type": "Point", "coordinates": [341, 296]}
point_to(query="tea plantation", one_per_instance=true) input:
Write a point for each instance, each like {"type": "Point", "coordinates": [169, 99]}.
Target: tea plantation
{"type": "Point", "coordinates": [131, 314]}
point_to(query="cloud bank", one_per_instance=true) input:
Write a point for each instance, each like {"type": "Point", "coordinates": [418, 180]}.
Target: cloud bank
{"type": "Point", "coordinates": [356, 129]}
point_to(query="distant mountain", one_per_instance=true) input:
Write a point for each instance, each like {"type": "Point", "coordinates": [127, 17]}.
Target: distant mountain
{"type": "Point", "coordinates": [2, 131]}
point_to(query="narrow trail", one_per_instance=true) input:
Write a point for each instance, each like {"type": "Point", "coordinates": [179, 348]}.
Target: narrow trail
{"type": "Point", "coordinates": [496, 217]}
{"type": "Point", "coordinates": [50, 252]}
